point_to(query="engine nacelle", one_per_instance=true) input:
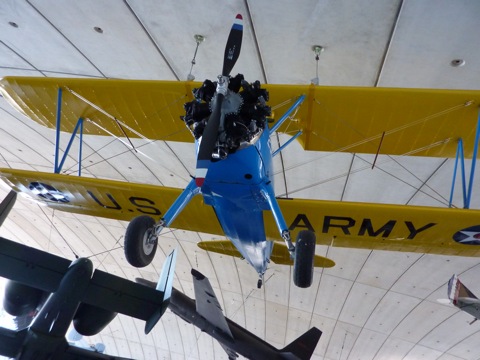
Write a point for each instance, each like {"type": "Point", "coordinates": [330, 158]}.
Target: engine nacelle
{"type": "Point", "coordinates": [20, 299]}
{"type": "Point", "coordinates": [90, 320]}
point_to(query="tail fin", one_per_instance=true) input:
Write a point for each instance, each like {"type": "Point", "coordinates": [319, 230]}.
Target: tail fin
{"type": "Point", "coordinates": [6, 205]}
{"type": "Point", "coordinates": [303, 347]}
{"type": "Point", "coordinates": [457, 290]}
{"type": "Point", "coordinates": [165, 284]}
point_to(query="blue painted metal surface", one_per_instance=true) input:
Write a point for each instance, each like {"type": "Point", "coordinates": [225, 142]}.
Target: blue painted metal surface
{"type": "Point", "coordinates": [287, 143]}
{"type": "Point", "coordinates": [474, 161]}
{"type": "Point", "coordinates": [460, 157]}
{"type": "Point", "coordinates": [285, 116]}
{"type": "Point", "coordinates": [57, 135]}
{"type": "Point", "coordinates": [238, 188]}
{"type": "Point", "coordinates": [190, 191]}
{"type": "Point", "coordinates": [78, 128]}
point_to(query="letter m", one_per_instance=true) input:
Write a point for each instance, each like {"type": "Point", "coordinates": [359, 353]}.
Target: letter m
{"type": "Point", "coordinates": [384, 231]}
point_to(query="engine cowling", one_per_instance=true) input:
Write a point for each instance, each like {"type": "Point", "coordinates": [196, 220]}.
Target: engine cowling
{"type": "Point", "coordinates": [90, 320]}
{"type": "Point", "coordinates": [20, 299]}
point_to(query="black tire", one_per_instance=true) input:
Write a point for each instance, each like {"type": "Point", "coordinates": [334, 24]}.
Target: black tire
{"type": "Point", "coordinates": [137, 252]}
{"type": "Point", "coordinates": [304, 257]}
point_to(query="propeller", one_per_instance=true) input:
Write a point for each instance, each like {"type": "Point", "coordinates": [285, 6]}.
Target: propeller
{"type": "Point", "coordinates": [210, 133]}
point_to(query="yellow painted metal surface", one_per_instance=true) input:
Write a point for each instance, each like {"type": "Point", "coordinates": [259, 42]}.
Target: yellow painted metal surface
{"type": "Point", "coordinates": [342, 224]}
{"type": "Point", "coordinates": [418, 229]}
{"type": "Point", "coordinates": [422, 122]}
{"type": "Point", "coordinates": [114, 199]}
{"type": "Point", "coordinates": [280, 254]}
{"type": "Point", "coordinates": [150, 108]}
{"type": "Point", "coordinates": [354, 119]}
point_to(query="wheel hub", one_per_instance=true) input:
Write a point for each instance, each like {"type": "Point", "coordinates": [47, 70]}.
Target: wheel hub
{"type": "Point", "coordinates": [148, 242]}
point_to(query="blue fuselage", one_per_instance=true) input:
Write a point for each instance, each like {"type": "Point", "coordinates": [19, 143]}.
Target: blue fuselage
{"type": "Point", "coordinates": [234, 187]}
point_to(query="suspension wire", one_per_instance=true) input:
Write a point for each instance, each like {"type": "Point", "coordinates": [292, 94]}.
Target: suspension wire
{"type": "Point", "coordinates": [56, 229]}
{"type": "Point", "coordinates": [190, 75]}
{"type": "Point", "coordinates": [198, 39]}
{"type": "Point", "coordinates": [106, 159]}
{"type": "Point", "coordinates": [392, 131]}
{"type": "Point", "coordinates": [366, 140]}
{"type": "Point", "coordinates": [122, 125]}
{"type": "Point", "coordinates": [368, 166]}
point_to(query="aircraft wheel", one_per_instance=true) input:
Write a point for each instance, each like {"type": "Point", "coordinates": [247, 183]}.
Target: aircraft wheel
{"type": "Point", "coordinates": [259, 284]}
{"type": "Point", "coordinates": [139, 247]}
{"type": "Point", "coordinates": [304, 257]}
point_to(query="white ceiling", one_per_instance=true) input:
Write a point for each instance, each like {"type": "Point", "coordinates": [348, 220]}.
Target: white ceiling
{"type": "Point", "coordinates": [372, 304]}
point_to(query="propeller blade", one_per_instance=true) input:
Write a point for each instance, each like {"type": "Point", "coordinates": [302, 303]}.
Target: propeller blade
{"type": "Point", "coordinates": [207, 145]}
{"type": "Point", "coordinates": [234, 44]}
{"type": "Point", "coordinates": [210, 133]}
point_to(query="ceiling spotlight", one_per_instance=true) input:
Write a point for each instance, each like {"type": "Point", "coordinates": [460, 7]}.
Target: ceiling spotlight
{"type": "Point", "coordinates": [14, 24]}
{"type": "Point", "coordinates": [199, 38]}
{"type": "Point", "coordinates": [98, 29]}
{"type": "Point", "coordinates": [457, 62]}
{"type": "Point", "coordinates": [317, 49]}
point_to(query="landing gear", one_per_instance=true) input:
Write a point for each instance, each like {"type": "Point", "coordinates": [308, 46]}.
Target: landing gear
{"type": "Point", "coordinates": [304, 258]}
{"type": "Point", "coordinates": [140, 241]}
{"type": "Point", "coordinates": [260, 282]}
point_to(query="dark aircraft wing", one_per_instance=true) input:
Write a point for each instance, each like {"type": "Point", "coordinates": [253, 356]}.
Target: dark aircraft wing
{"type": "Point", "coordinates": [44, 271]}
{"type": "Point", "coordinates": [209, 307]}
{"type": "Point", "coordinates": [76, 353]}
{"type": "Point", "coordinates": [10, 341]}
{"type": "Point", "coordinates": [207, 303]}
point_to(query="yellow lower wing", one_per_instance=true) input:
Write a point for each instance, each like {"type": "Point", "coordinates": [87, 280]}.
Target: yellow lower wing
{"type": "Point", "coordinates": [341, 224]}
{"type": "Point", "coordinates": [280, 254]}
{"type": "Point", "coordinates": [419, 229]}
{"type": "Point", "coordinates": [110, 199]}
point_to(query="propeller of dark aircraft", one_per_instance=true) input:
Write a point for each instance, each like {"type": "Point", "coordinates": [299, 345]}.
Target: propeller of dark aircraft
{"type": "Point", "coordinates": [210, 134]}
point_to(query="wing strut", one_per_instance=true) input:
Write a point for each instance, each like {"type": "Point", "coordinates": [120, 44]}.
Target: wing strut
{"type": "Point", "coordinates": [176, 208]}
{"type": "Point", "coordinates": [285, 116]}
{"type": "Point", "coordinates": [79, 127]}
{"type": "Point", "coordinates": [467, 192]}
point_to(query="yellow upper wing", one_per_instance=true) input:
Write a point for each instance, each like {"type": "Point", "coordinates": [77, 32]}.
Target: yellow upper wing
{"type": "Point", "coordinates": [342, 224]}
{"type": "Point", "coordinates": [354, 119]}
{"type": "Point", "coordinates": [151, 108]}
{"type": "Point", "coordinates": [393, 121]}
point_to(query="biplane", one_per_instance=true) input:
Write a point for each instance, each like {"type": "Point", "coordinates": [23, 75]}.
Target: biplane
{"type": "Point", "coordinates": [232, 192]}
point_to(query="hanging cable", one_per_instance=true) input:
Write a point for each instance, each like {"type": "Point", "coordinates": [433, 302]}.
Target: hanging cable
{"type": "Point", "coordinates": [198, 39]}
{"type": "Point", "coordinates": [317, 49]}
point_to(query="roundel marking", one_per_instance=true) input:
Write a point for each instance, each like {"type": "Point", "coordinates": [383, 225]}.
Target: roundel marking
{"type": "Point", "coordinates": [47, 192]}
{"type": "Point", "coordinates": [468, 236]}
